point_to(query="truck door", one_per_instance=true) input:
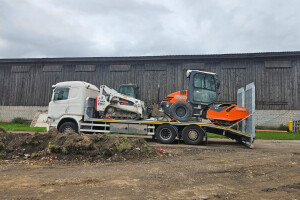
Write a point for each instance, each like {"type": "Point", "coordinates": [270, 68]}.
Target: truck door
{"type": "Point", "coordinates": [59, 104]}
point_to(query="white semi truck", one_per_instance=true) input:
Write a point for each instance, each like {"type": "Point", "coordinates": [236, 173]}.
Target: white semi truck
{"type": "Point", "coordinates": [75, 106]}
{"type": "Point", "coordinates": [66, 107]}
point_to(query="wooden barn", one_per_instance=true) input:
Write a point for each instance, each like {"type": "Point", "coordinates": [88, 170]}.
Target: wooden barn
{"type": "Point", "coordinates": [27, 82]}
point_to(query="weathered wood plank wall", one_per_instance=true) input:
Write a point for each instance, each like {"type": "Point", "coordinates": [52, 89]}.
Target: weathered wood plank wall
{"type": "Point", "coordinates": [277, 80]}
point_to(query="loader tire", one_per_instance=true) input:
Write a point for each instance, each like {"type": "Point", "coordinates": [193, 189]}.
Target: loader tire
{"type": "Point", "coordinates": [165, 134]}
{"type": "Point", "coordinates": [193, 134]}
{"type": "Point", "coordinates": [181, 110]}
{"type": "Point", "coordinates": [68, 126]}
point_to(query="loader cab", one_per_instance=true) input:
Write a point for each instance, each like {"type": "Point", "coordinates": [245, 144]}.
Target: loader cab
{"type": "Point", "coordinates": [131, 90]}
{"type": "Point", "coordinates": [203, 87]}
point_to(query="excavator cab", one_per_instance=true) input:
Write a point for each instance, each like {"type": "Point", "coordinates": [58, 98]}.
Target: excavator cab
{"type": "Point", "coordinates": [203, 87]}
{"type": "Point", "coordinates": [198, 99]}
{"type": "Point", "coordinates": [131, 90]}
{"type": "Point", "coordinates": [202, 91]}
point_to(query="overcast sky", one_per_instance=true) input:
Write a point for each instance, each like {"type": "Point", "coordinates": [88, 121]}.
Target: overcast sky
{"type": "Point", "coordinates": [95, 28]}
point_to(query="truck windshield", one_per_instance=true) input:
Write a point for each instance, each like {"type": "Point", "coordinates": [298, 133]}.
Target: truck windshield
{"type": "Point", "coordinates": [61, 94]}
{"type": "Point", "coordinates": [204, 88]}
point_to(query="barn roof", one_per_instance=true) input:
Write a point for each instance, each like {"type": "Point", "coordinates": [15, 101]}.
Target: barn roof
{"type": "Point", "coordinates": [154, 58]}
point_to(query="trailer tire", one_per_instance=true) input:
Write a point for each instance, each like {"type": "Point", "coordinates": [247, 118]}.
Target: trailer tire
{"type": "Point", "coordinates": [165, 134]}
{"type": "Point", "coordinates": [193, 134]}
{"type": "Point", "coordinates": [181, 110]}
{"type": "Point", "coordinates": [68, 126]}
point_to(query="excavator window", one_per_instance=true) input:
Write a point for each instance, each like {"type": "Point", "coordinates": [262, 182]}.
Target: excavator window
{"type": "Point", "coordinates": [204, 88]}
{"type": "Point", "coordinates": [205, 81]}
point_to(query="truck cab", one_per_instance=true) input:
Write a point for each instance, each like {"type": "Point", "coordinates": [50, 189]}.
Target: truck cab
{"type": "Point", "coordinates": [66, 107]}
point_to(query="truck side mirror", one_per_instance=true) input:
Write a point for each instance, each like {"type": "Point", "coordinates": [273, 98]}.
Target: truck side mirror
{"type": "Point", "coordinates": [218, 85]}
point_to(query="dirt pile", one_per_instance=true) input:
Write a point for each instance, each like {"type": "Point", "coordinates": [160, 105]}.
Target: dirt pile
{"type": "Point", "coordinates": [72, 146]}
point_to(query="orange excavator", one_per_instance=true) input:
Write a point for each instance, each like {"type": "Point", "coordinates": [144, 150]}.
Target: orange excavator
{"type": "Point", "coordinates": [198, 101]}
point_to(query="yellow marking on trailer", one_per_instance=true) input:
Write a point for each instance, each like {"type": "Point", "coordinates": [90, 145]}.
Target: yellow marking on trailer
{"type": "Point", "coordinates": [141, 122]}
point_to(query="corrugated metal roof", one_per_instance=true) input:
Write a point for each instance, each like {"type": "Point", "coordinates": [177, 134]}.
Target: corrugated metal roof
{"type": "Point", "coordinates": [154, 58]}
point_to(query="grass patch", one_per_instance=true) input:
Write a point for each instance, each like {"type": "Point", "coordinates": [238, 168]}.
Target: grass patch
{"type": "Point", "coordinates": [266, 136]}
{"type": "Point", "coordinates": [21, 127]}
{"type": "Point", "coordinates": [212, 135]}
{"type": "Point", "coordinates": [277, 136]}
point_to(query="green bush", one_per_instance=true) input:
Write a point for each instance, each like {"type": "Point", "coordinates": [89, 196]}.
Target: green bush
{"type": "Point", "coordinates": [19, 120]}
{"type": "Point", "coordinates": [65, 151]}
{"type": "Point", "coordinates": [283, 127]}
{"type": "Point", "coordinates": [54, 148]}
{"type": "Point", "coordinates": [124, 144]}
{"type": "Point", "coordinates": [34, 155]}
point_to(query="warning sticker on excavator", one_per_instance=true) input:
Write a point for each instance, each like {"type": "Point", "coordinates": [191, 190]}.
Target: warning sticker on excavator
{"type": "Point", "coordinates": [180, 97]}
{"type": "Point", "coordinates": [101, 100]}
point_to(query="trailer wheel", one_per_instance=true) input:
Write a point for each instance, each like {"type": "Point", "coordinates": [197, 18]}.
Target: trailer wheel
{"type": "Point", "coordinates": [165, 134]}
{"type": "Point", "coordinates": [181, 110]}
{"type": "Point", "coordinates": [68, 126]}
{"type": "Point", "coordinates": [192, 134]}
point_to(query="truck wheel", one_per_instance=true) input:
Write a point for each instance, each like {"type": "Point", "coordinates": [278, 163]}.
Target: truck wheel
{"type": "Point", "coordinates": [192, 134]}
{"type": "Point", "coordinates": [181, 110]}
{"type": "Point", "coordinates": [68, 126]}
{"type": "Point", "coordinates": [165, 134]}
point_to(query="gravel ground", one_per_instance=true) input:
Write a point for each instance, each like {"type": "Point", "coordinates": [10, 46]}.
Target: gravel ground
{"type": "Point", "coordinates": [221, 170]}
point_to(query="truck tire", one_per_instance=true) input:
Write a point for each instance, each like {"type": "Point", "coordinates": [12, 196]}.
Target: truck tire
{"type": "Point", "coordinates": [165, 134]}
{"type": "Point", "coordinates": [193, 134]}
{"type": "Point", "coordinates": [181, 110]}
{"type": "Point", "coordinates": [68, 126]}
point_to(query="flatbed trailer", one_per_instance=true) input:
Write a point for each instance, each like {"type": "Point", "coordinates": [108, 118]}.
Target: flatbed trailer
{"type": "Point", "coordinates": [152, 128]}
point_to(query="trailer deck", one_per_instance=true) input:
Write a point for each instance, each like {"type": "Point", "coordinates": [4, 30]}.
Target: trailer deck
{"type": "Point", "coordinates": [148, 127]}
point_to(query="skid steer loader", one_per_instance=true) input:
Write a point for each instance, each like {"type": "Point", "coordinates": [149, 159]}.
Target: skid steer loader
{"type": "Point", "coordinates": [112, 104]}
{"type": "Point", "coordinates": [198, 100]}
